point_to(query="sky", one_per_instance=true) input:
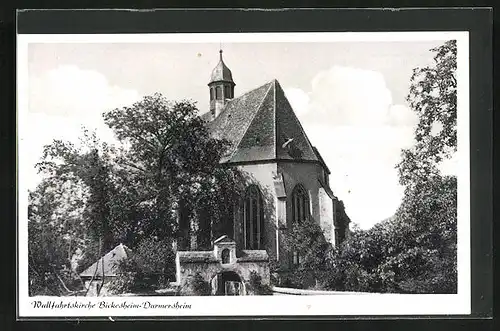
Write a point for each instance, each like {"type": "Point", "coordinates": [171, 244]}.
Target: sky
{"type": "Point", "coordinates": [349, 97]}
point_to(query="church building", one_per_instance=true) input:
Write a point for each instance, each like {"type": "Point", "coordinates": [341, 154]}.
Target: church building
{"type": "Point", "coordinates": [288, 180]}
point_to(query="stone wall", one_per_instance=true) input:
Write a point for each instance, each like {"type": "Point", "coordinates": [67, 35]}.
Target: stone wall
{"type": "Point", "coordinates": [212, 264]}
{"type": "Point", "coordinates": [210, 270]}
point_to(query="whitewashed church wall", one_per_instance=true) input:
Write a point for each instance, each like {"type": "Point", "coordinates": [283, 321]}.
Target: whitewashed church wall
{"type": "Point", "coordinates": [326, 215]}
{"type": "Point", "coordinates": [306, 174]}
{"type": "Point", "coordinates": [262, 175]}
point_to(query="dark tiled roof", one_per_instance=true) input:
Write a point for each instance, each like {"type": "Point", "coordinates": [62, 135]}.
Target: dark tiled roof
{"type": "Point", "coordinates": [321, 159]}
{"type": "Point", "coordinates": [253, 256]}
{"type": "Point", "coordinates": [111, 262]}
{"type": "Point", "coordinates": [206, 116]}
{"type": "Point", "coordinates": [196, 256]}
{"type": "Point", "coordinates": [258, 123]}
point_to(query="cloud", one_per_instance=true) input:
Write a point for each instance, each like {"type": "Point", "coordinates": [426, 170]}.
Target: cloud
{"type": "Point", "coordinates": [299, 99]}
{"type": "Point", "coordinates": [61, 102]}
{"type": "Point", "coordinates": [349, 116]}
{"type": "Point", "coordinates": [350, 96]}
{"type": "Point", "coordinates": [73, 92]}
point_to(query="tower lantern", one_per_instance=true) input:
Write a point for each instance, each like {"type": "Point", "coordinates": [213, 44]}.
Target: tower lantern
{"type": "Point", "coordinates": [221, 87]}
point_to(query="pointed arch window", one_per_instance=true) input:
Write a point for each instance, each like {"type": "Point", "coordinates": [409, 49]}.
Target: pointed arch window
{"type": "Point", "coordinates": [253, 218]}
{"type": "Point", "coordinates": [300, 212]}
{"type": "Point", "coordinates": [300, 204]}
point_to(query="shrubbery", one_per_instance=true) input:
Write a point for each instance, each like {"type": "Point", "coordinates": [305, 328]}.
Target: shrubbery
{"type": "Point", "coordinates": [413, 252]}
{"type": "Point", "coordinates": [196, 286]}
{"type": "Point", "coordinates": [416, 250]}
{"type": "Point", "coordinates": [149, 267]}
{"type": "Point", "coordinates": [256, 285]}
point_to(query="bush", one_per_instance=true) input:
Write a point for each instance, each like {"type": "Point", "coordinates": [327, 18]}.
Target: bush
{"type": "Point", "coordinates": [308, 240]}
{"type": "Point", "coordinates": [149, 267]}
{"type": "Point", "coordinates": [256, 285]}
{"type": "Point", "coordinates": [196, 286]}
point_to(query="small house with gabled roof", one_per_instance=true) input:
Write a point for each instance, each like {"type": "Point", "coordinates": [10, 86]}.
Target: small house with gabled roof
{"type": "Point", "coordinates": [99, 274]}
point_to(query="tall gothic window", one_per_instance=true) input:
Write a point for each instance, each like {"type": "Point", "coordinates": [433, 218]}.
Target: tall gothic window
{"type": "Point", "coordinates": [227, 92]}
{"type": "Point", "coordinates": [300, 212]}
{"type": "Point", "coordinates": [300, 204]}
{"type": "Point", "coordinates": [212, 93]}
{"type": "Point", "coordinates": [218, 93]}
{"type": "Point", "coordinates": [253, 218]}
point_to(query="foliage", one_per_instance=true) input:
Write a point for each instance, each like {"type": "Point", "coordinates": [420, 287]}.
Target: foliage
{"type": "Point", "coordinates": [200, 286]}
{"type": "Point", "coordinates": [138, 192]}
{"type": "Point", "coordinates": [428, 214]}
{"type": "Point", "coordinates": [414, 251]}
{"type": "Point", "coordinates": [149, 267]}
{"type": "Point", "coordinates": [433, 97]}
{"type": "Point", "coordinates": [171, 162]}
{"type": "Point", "coordinates": [51, 242]}
{"type": "Point", "coordinates": [307, 239]}
{"type": "Point", "coordinates": [196, 286]}
{"type": "Point", "coordinates": [256, 285]}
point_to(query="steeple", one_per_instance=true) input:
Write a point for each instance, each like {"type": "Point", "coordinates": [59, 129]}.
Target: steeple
{"type": "Point", "coordinates": [221, 86]}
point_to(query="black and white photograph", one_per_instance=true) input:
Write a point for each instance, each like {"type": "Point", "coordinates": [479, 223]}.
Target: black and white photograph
{"type": "Point", "coordinates": [244, 174]}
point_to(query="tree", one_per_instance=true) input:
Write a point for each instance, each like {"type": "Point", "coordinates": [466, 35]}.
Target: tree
{"type": "Point", "coordinates": [426, 259]}
{"type": "Point", "coordinates": [433, 97]}
{"type": "Point", "coordinates": [54, 227]}
{"type": "Point", "coordinates": [414, 251]}
{"type": "Point", "coordinates": [429, 208]}
{"type": "Point", "coordinates": [87, 168]}
{"type": "Point", "coordinates": [173, 163]}
{"type": "Point", "coordinates": [149, 267]}
{"type": "Point", "coordinates": [140, 192]}
{"type": "Point", "coordinates": [307, 240]}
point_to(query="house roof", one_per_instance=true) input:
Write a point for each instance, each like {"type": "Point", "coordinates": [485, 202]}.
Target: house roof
{"type": "Point", "coordinates": [207, 116]}
{"type": "Point", "coordinates": [108, 262]}
{"type": "Point", "coordinates": [318, 154]}
{"type": "Point", "coordinates": [261, 125]}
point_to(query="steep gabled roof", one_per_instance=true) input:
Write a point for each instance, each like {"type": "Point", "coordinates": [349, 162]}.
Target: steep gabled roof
{"type": "Point", "coordinates": [108, 262]}
{"type": "Point", "coordinates": [261, 125]}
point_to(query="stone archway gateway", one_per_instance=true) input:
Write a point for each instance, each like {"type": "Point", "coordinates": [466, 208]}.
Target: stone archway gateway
{"type": "Point", "coordinates": [226, 271]}
{"type": "Point", "coordinates": [228, 283]}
